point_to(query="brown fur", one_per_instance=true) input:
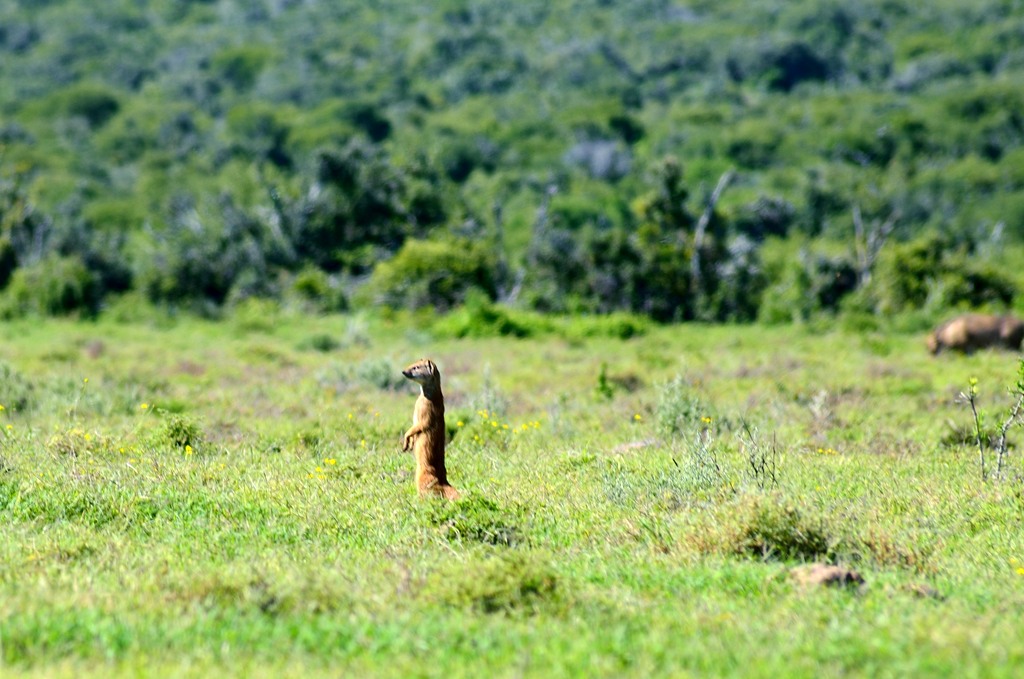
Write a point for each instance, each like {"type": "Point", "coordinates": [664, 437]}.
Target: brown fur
{"type": "Point", "coordinates": [970, 332]}
{"type": "Point", "coordinates": [426, 436]}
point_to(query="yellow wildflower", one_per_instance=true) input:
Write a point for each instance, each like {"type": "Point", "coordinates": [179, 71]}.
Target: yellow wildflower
{"type": "Point", "coordinates": [637, 417]}
{"type": "Point", "coordinates": [144, 406]}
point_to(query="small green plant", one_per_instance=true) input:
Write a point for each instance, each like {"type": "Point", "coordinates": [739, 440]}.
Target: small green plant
{"type": "Point", "coordinates": [182, 432]}
{"type": "Point", "coordinates": [477, 519]}
{"type": "Point", "coordinates": [490, 399]}
{"type": "Point", "coordinates": [55, 286]}
{"type": "Point", "coordinates": [253, 314]}
{"type": "Point", "coordinates": [998, 443]}
{"type": "Point", "coordinates": [762, 458]}
{"type": "Point", "coordinates": [605, 390]}
{"type": "Point", "coordinates": [780, 531]}
{"type": "Point", "coordinates": [76, 441]}
{"type": "Point", "coordinates": [322, 342]}
{"type": "Point", "coordinates": [680, 409]}
{"type": "Point", "coordinates": [16, 392]}
{"type": "Point", "coordinates": [378, 373]}
{"type": "Point", "coordinates": [700, 465]}
{"type": "Point", "coordinates": [508, 584]}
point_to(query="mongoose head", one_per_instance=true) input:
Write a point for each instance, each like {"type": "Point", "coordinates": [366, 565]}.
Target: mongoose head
{"type": "Point", "coordinates": [933, 343]}
{"type": "Point", "coordinates": [423, 372]}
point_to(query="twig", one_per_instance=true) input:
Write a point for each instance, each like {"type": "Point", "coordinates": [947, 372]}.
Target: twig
{"type": "Point", "coordinates": [1001, 447]}
{"type": "Point", "coordinates": [970, 397]}
{"type": "Point", "coordinates": [702, 224]}
{"type": "Point", "coordinates": [868, 244]}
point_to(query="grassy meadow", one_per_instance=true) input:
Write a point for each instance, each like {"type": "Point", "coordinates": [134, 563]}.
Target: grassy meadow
{"type": "Point", "coordinates": [189, 498]}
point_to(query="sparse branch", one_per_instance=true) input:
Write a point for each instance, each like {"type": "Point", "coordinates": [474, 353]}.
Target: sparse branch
{"type": "Point", "coordinates": [868, 243]}
{"type": "Point", "coordinates": [1011, 419]}
{"type": "Point", "coordinates": [615, 58]}
{"type": "Point", "coordinates": [762, 458]}
{"type": "Point", "coordinates": [705, 219]}
{"type": "Point", "coordinates": [1001, 446]}
{"type": "Point", "coordinates": [971, 397]}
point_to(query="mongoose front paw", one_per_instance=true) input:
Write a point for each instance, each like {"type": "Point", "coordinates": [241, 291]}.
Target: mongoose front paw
{"type": "Point", "coordinates": [407, 441]}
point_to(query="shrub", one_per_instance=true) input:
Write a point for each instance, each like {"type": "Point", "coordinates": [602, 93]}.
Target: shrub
{"type": "Point", "coordinates": [95, 103]}
{"type": "Point", "coordinates": [368, 117]}
{"type": "Point", "coordinates": [767, 216]}
{"type": "Point", "coordinates": [54, 286]}
{"type": "Point", "coordinates": [618, 325]}
{"type": "Point", "coordinates": [182, 432]}
{"type": "Point", "coordinates": [753, 144]}
{"type": "Point", "coordinates": [315, 290]}
{"type": "Point", "coordinates": [241, 65]}
{"type": "Point", "coordinates": [479, 317]}
{"type": "Point", "coordinates": [261, 130]}
{"type": "Point", "coordinates": [16, 392]}
{"type": "Point", "coordinates": [376, 373]}
{"type": "Point", "coordinates": [381, 374]}
{"type": "Point", "coordinates": [438, 274]}
{"type": "Point", "coordinates": [606, 160]}
{"type": "Point", "coordinates": [780, 66]}
{"type": "Point", "coordinates": [206, 261]}
{"type": "Point", "coordinates": [254, 314]}
{"type": "Point", "coordinates": [508, 584]}
{"type": "Point", "coordinates": [8, 260]}
{"type": "Point", "coordinates": [680, 410]}
{"type": "Point", "coordinates": [476, 519]}
{"type": "Point", "coordinates": [776, 531]}
{"type": "Point", "coordinates": [360, 208]}
{"type": "Point", "coordinates": [740, 282]}
{"type": "Point", "coordinates": [934, 271]}
{"type": "Point", "coordinates": [76, 441]}
{"type": "Point", "coordinates": [460, 156]}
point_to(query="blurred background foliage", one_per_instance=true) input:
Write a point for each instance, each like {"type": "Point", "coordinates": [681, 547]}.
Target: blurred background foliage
{"type": "Point", "coordinates": [551, 156]}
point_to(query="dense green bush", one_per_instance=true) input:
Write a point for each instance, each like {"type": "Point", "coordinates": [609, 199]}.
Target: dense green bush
{"type": "Point", "coordinates": [53, 286]}
{"type": "Point", "coordinates": [208, 152]}
{"type": "Point", "coordinates": [434, 273]}
{"type": "Point", "coordinates": [95, 103]}
{"type": "Point", "coordinates": [937, 273]}
{"type": "Point", "coordinates": [240, 66]}
{"type": "Point", "coordinates": [479, 317]}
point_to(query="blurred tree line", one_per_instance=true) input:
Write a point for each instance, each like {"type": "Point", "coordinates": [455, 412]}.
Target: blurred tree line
{"type": "Point", "coordinates": [727, 160]}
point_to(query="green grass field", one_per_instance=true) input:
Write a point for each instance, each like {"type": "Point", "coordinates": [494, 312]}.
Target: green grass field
{"type": "Point", "coordinates": [194, 499]}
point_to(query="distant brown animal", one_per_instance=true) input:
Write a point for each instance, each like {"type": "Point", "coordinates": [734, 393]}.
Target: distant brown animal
{"type": "Point", "coordinates": [426, 436]}
{"type": "Point", "coordinates": [977, 331]}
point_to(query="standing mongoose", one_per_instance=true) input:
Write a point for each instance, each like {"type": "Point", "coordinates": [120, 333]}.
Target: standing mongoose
{"type": "Point", "coordinates": [426, 436]}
